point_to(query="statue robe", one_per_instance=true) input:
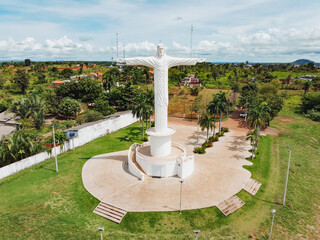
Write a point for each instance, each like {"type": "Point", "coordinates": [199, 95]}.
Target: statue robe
{"type": "Point", "coordinates": [161, 66]}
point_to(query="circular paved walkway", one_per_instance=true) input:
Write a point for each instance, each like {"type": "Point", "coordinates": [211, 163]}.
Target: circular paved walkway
{"type": "Point", "coordinates": [217, 175]}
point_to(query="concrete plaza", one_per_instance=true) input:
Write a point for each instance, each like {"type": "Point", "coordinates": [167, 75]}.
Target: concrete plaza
{"type": "Point", "coordinates": [218, 174]}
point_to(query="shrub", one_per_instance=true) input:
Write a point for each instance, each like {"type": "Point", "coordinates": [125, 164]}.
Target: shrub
{"type": "Point", "coordinates": [207, 144]}
{"type": "Point", "coordinates": [79, 120]}
{"type": "Point", "coordinates": [152, 124]}
{"type": "Point", "coordinates": [103, 107]}
{"type": "Point", "coordinates": [92, 116]}
{"type": "Point", "coordinates": [66, 124]}
{"type": "Point", "coordinates": [69, 107]}
{"type": "Point", "coordinates": [60, 138]}
{"type": "Point", "coordinates": [145, 139]}
{"type": "Point", "coordinates": [313, 115]}
{"type": "Point", "coordinates": [4, 105]}
{"type": "Point", "coordinates": [199, 150]}
{"type": "Point", "coordinates": [225, 129]}
{"type": "Point", "coordinates": [220, 134]}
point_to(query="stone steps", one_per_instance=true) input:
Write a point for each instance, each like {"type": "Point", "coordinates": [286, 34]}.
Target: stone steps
{"type": "Point", "coordinates": [230, 205]}
{"type": "Point", "coordinates": [110, 212]}
{"type": "Point", "coordinates": [252, 186]}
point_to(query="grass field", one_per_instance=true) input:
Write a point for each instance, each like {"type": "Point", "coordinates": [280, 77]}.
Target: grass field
{"type": "Point", "coordinates": [39, 203]}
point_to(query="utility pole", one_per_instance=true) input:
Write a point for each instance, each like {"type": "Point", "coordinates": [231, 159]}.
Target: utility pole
{"type": "Point", "coordinates": [191, 40]}
{"type": "Point", "coordinates": [54, 146]}
{"type": "Point", "coordinates": [273, 211]}
{"type": "Point", "coordinates": [285, 188]}
{"type": "Point", "coordinates": [117, 35]}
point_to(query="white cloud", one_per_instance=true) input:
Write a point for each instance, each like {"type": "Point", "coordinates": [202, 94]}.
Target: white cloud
{"type": "Point", "coordinates": [141, 47]}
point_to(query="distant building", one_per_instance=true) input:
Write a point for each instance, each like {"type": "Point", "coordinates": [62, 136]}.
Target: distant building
{"type": "Point", "coordinates": [308, 77]}
{"type": "Point", "coordinates": [78, 76]}
{"type": "Point", "coordinates": [95, 75]}
{"type": "Point", "coordinates": [191, 81]}
{"type": "Point", "coordinates": [8, 124]}
{"type": "Point", "coordinates": [58, 82]}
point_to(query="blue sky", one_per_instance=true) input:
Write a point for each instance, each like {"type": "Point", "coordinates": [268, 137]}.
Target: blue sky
{"type": "Point", "coordinates": [224, 31]}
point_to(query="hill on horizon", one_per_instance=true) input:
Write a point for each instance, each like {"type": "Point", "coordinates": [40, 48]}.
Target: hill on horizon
{"type": "Point", "coordinates": [303, 61]}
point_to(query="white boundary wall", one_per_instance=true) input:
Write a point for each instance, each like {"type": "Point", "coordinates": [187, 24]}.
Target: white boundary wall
{"type": "Point", "coordinates": [86, 133]}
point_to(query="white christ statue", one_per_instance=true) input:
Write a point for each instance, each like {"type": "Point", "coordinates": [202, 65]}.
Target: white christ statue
{"type": "Point", "coordinates": [161, 63]}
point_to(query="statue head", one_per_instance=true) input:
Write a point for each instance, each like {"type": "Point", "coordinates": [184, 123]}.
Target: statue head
{"type": "Point", "coordinates": [160, 50]}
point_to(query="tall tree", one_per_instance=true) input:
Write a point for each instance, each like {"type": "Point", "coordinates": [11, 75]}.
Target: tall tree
{"type": "Point", "coordinates": [69, 107]}
{"type": "Point", "coordinates": [206, 122]}
{"type": "Point", "coordinates": [141, 109]}
{"type": "Point", "coordinates": [306, 86]}
{"type": "Point", "coordinates": [253, 136]}
{"type": "Point", "coordinates": [259, 116]}
{"type": "Point", "coordinates": [21, 79]}
{"type": "Point", "coordinates": [110, 78]}
{"type": "Point", "coordinates": [221, 105]}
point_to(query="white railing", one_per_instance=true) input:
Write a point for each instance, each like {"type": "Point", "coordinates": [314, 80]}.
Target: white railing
{"type": "Point", "coordinates": [134, 169]}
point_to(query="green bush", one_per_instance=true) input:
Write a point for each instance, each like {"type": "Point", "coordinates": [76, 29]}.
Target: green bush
{"type": "Point", "coordinates": [60, 138]}
{"type": "Point", "coordinates": [311, 101]}
{"type": "Point", "coordinates": [92, 116]}
{"type": "Point", "coordinates": [207, 144]}
{"type": "Point", "coordinates": [69, 107]}
{"type": "Point", "coordinates": [199, 150]}
{"type": "Point", "coordinates": [224, 129]}
{"type": "Point", "coordinates": [102, 106]}
{"type": "Point", "coordinates": [313, 115]}
{"type": "Point", "coordinates": [145, 139]}
{"type": "Point", "coordinates": [66, 124]}
{"type": "Point", "coordinates": [4, 105]}
{"type": "Point", "coordinates": [79, 120]}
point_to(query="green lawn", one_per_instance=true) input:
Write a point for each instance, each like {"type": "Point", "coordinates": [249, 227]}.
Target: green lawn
{"type": "Point", "coordinates": [39, 203]}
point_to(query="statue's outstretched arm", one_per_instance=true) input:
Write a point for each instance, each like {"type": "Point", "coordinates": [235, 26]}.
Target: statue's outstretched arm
{"type": "Point", "coordinates": [172, 61]}
{"type": "Point", "coordinates": [144, 61]}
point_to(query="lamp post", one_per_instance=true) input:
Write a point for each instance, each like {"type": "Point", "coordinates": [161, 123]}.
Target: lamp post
{"type": "Point", "coordinates": [54, 146]}
{"type": "Point", "coordinates": [101, 230]}
{"type": "Point", "coordinates": [273, 211]}
{"type": "Point", "coordinates": [196, 232]}
{"type": "Point", "coordinates": [285, 188]}
{"type": "Point", "coordinates": [181, 181]}
{"type": "Point", "coordinates": [198, 125]}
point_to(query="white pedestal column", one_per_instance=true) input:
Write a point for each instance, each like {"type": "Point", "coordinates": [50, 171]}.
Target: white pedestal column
{"type": "Point", "coordinates": [160, 142]}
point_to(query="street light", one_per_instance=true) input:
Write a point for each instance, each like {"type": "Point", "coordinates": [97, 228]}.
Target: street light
{"type": "Point", "coordinates": [101, 229]}
{"type": "Point", "coordinates": [285, 188]}
{"type": "Point", "coordinates": [273, 211]}
{"type": "Point", "coordinates": [54, 146]}
{"type": "Point", "coordinates": [181, 181]}
{"type": "Point", "coordinates": [196, 232]}
{"type": "Point", "coordinates": [198, 126]}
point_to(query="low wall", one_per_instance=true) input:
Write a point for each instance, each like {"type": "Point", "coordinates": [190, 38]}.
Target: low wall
{"type": "Point", "coordinates": [86, 133]}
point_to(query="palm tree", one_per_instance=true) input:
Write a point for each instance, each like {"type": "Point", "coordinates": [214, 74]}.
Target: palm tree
{"type": "Point", "coordinates": [31, 106]}
{"type": "Point", "coordinates": [235, 86]}
{"type": "Point", "coordinates": [21, 108]}
{"type": "Point", "coordinates": [142, 108]}
{"type": "Point", "coordinates": [221, 104]}
{"type": "Point", "coordinates": [253, 136]}
{"type": "Point", "coordinates": [259, 116]}
{"type": "Point", "coordinates": [150, 101]}
{"type": "Point", "coordinates": [214, 110]}
{"type": "Point", "coordinates": [206, 122]}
